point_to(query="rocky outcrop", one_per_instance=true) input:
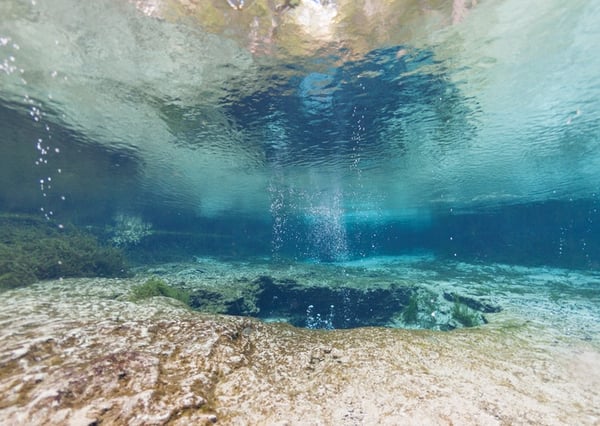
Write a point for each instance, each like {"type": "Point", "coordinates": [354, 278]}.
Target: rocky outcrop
{"type": "Point", "coordinates": [76, 352]}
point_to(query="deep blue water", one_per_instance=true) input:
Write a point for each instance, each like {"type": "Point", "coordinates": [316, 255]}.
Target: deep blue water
{"type": "Point", "coordinates": [326, 156]}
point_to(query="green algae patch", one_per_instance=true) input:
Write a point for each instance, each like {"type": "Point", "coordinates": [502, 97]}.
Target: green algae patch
{"type": "Point", "coordinates": [409, 314]}
{"type": "Point", "coordinates": [464, 315]}
{"type": "Point", "coordinates": [32, 249]}
{"type": "Point", "coordinates": [156, 287]}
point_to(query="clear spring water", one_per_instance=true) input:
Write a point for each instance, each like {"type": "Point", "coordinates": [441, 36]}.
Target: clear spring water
{"type": "Point", "coordinates": [326, 132]}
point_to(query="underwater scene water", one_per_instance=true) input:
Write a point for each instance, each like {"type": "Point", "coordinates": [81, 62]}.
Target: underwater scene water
{"type": "Point", "coordinates": [416, 166]}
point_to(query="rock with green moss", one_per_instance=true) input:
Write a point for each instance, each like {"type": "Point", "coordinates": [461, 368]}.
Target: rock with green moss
{"type": "Point", "coordinates": [32, 249]}
{"type": "Point", "coordinates": [156, 287]}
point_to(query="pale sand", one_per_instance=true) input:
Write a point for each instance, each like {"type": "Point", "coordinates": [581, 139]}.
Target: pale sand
{"type": "Point", "coordinates": [70, 353]}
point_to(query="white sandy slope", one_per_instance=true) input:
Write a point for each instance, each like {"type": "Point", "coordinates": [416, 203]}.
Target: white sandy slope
{"type": "Point", "coordinates": [74, 352]}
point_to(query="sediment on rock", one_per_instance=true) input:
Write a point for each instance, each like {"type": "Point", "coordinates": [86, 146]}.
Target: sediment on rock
{"type": "Point", "coordinates": [155, 362]}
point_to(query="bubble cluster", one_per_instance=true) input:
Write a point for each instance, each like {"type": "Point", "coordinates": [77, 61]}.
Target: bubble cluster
{"type": "Point", "coordinates": [10, 51]}
{"type": "Point", "coordinates": [315, 321]}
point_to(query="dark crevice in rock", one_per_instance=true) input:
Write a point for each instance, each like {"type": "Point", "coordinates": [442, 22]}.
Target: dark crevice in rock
{"type": "Point", "coordinates": [340, 307]}
{"type": "Point", "coordinates": [473, 303]}
{"type": "Point", "coordinates": [328, 307]}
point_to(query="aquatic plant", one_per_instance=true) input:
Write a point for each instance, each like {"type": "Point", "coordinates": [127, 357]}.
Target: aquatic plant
{"type": "Point", "coordinates": [32, 249]}
{"type": "Point", "coordinates": [464, 315]}
{"type": "Point", "coordinates": [409, 314]}
{"type": "Point", "coordinates": [157, 287]}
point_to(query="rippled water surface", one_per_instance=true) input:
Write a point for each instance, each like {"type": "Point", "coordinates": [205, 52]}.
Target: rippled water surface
{"type": "Point", "coordinates": [318, 130]}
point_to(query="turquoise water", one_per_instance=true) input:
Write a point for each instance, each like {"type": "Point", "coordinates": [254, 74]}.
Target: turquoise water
{"type": "Point", "coordinates": [464, 132]}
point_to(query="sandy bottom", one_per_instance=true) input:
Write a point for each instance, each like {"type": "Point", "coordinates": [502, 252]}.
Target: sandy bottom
{"type": "Point", "coordinates": [75, 352]}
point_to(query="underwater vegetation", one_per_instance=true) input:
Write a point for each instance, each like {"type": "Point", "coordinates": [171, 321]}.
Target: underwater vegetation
{"type": "Point", "coordinates": [409, 314]}
{"type": "Point", "coordinates": [157, 287]}
{"type": "Point", "coordinates": [464, 315]}
{"type": "Point", "coordinates": [32, 249]}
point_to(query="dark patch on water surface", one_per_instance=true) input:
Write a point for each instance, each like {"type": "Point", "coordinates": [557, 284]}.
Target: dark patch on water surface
{"type": "Point", "coordinates": [327, 114]}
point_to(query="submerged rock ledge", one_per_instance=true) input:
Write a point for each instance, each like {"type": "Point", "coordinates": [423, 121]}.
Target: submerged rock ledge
{"type": "Point", "coordinates": [75, 352]}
